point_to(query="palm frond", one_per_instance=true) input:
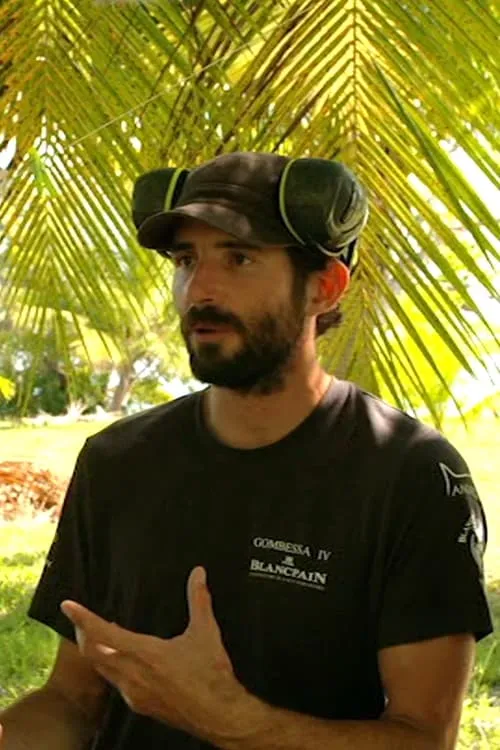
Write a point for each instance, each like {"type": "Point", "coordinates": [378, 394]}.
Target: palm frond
{"type": "Point", "coordinates": [96, 93]}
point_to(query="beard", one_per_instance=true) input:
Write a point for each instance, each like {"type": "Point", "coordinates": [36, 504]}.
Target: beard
{"type": "Point", "coordinates": [259, 365]}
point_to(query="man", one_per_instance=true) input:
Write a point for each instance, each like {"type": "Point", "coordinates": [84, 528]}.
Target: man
{"type": "Point", "coordinates": [281, 562]}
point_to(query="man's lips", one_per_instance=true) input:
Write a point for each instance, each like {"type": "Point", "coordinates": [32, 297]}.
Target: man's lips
{"type": "Point", "coordinates": [211, 328]}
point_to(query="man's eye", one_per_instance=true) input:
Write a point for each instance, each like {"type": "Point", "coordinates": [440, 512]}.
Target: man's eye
{"type": "Point", "coordinates": [240, 259]}
{"type": "Point", "coordinates": [182, 261]}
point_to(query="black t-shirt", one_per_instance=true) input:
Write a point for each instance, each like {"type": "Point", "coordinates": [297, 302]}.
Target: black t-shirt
{"type": "Point", "coordinates": [361, 529]}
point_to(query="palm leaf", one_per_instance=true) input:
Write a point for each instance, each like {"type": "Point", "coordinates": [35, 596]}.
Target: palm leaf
{"type": "Point", "coordinates": [95, 93]}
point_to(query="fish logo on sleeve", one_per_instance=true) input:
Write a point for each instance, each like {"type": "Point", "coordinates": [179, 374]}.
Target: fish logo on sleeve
{"type": "Point", "coordinates": [473, 531]}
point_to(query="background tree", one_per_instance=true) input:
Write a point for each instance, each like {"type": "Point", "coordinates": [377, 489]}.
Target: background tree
{"type": "Point", "coordinates": [96, 93]}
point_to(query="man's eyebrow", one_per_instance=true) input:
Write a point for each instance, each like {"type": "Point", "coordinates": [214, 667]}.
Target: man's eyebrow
{"type": "Point", "coordinates": [237, 245]}
{"type": "Point", "coordinates": [223, 245]}
{"type": "Point", "coordinates": [176, 246]}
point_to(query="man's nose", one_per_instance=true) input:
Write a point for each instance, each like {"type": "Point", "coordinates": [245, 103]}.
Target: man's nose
{"type": "Point", "coordinates": [204, 284]}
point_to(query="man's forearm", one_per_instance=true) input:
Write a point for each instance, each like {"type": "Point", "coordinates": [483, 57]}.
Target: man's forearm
{"type": "Point", "coordinates": [44, 720]}
{"type": "Point", "coordinates": [264, 727]}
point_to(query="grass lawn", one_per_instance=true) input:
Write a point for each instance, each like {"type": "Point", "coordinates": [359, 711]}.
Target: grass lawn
{"type": "Point", "coordinates": [53, 447]}
{"type": "Point", "coordinates": [27, 648]}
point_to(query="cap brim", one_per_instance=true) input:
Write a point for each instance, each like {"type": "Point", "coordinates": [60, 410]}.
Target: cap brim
{"type": "Point", "coordinates": [157, 232]}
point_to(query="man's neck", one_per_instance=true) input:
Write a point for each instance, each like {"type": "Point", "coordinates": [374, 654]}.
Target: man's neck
{"type": "Point", "coordinates": [252, 421]}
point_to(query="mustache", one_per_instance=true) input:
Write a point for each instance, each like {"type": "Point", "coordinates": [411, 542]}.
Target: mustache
{"type": "Point", "coordinates": [211, 314]}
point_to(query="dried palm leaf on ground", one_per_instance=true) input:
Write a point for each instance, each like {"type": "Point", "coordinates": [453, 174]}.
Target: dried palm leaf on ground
{"type": "Point", "coordinates": [27, 490]}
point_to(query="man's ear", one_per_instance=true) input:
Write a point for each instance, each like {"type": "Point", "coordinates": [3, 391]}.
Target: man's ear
{"type": "Point", "coordinates": [331, 284]}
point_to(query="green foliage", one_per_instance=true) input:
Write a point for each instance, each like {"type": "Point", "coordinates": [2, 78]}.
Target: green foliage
{"type": "Point", "coordinates": [85, 387]}
{"type": "Point", "coordinates": [149, 391]}
{"type": "Point", "coordinates": [449, 369]}
{"type": "Point", "coordinates": [51, 393]}
{"type": "Point", "coordinates": [480, 728]}
{"type": "Point", "coordinates": [7, 388]}
{"type": "Point", "coordinates": [386, 87]}
{"type": "Point", "coordinates": [27, 648]}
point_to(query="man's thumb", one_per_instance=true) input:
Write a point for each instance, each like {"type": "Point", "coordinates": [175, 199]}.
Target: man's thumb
{"type": "Point", "coordinates": [199, 598]}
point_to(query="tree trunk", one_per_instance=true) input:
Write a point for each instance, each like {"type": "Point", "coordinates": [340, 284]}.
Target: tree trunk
{"type": "Point", "coordinates": [122, 391]}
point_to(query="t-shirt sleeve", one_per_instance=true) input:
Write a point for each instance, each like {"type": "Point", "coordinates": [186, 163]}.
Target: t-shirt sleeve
{"type": "Point", "coordinates": [434, 577]}
{"type": "Point", "coordinates": [71, 566]}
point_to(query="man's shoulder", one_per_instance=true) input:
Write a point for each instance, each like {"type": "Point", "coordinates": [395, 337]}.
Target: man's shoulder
{"type": "Point", "coordinates": [418, 464]}
{"type": "Point", "coordinates": [172, 418]}
{"type": "Point", "coordinates": [384, 417]}
{"type": "Point", "coordinates": [385, 423]}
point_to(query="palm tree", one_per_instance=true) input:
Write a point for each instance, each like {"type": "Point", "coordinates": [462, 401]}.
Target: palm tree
{"type": "Point", "coordinates": [97, 92]}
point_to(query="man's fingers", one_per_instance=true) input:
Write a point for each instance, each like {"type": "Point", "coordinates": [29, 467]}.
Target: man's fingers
{"type": "Point", "coordinates": [198, 596]}
{"type": "Point", "coordinates": [109, 662]}
{"type": "Point", "coordinates": [96, 652]}
{"type": "Point", "coordinates": [89, 626]}
{"type": "Point", "coordinates": [201, 613]}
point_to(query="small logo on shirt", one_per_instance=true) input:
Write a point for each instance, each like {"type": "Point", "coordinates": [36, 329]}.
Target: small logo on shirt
{"type": "Point", "coordinates": [457, 485]}
{"type": "Point", "coordinates": [473, 531]}
{"type": "Point", "coordinates": [288, 568]}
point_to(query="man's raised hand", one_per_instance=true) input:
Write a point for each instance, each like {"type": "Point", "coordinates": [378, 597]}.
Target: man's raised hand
{"type": "Point", "coordinates": [187, 682]}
